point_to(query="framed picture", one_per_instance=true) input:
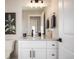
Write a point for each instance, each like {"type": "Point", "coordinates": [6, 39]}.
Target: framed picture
{"type": "Point", "coordinates": [10, 23]}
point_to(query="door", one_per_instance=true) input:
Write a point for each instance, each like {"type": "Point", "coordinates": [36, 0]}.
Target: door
{"type": "Point", "coordinates": [39, 53]}
{"type": "Point", "coordinates": [66, 29]}
{"type": "Point", "coordinates": [32, 50]}
{"type": "Point", "coordinates": [25, 53]}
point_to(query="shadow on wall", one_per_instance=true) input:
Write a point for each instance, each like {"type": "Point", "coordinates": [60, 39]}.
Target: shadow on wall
{"type": "Point", "coordinates": [14, 54]}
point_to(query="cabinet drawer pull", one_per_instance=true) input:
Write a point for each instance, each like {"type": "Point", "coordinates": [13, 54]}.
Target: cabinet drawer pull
{"type": "Point", "coordinates": [53, 54]}
{"type": "Point", "coordinates": [53, 44]}
{"type": "Point", "coordinates": [30, 54]}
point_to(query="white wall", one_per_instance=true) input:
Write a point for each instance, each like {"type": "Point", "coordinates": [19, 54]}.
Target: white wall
{"type": "Point", "coordinates": [14, 6]}
{"type": "Point", "coordinates": [52, 7]}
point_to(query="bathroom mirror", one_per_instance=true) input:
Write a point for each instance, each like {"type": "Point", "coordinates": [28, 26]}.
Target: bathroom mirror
{"type": "Point", "coordinates": [33, 17]}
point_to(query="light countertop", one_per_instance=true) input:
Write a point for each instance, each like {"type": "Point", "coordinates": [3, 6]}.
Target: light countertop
{"type": "Point", "coordinates": [29, 38]}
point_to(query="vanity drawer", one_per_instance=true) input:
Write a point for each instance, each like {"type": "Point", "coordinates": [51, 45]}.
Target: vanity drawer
{"type": "Point", "coordinates": [32, 44]}
{"type": "Point", "coordinates": [51, 54]}
{"type": "Point", "coordinates": [52, 44]}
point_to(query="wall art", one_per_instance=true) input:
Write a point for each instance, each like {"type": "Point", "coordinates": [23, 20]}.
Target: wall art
{"type": "Point", "coordinates": [10, 23]}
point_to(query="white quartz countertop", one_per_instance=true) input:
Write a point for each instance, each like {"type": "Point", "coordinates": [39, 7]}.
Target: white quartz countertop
{"type": "Point", "coordinates": [29, 38]}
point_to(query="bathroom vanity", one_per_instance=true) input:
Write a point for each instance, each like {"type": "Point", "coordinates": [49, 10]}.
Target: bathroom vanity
{"type": "Point", "coordinates": [37, 49]}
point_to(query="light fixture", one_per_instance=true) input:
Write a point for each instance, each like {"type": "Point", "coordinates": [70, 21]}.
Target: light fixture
{"type": "Point", "coordinates": [36, 4]}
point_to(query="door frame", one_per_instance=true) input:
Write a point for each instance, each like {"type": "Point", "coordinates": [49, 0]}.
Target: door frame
{"type": "Point", "coordinates": [29, 20]}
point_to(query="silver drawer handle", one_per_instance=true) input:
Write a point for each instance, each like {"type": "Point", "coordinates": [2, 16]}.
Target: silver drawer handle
{"type": "Point", "coordinates": [30, 54]}
{"type": "Point", "coordinates": [53, 54]}
{"type": "Point", "coordinates": [53, 44]}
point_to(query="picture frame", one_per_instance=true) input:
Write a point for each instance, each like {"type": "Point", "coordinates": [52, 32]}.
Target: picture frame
{"type": "Point", "coordinates": [10, 23]}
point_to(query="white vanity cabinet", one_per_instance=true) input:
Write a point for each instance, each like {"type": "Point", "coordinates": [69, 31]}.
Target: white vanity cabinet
{"type": "Point", "coordinates": [24, 53]}
{"type": "Point", "coordinates": [39, 54]}
{"type": "Point", "coordinates": [32, 54]}
{"type": "Point", "coordinates": [32, 50]}
{"type": "Point", "coordinates": [37, 50]}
